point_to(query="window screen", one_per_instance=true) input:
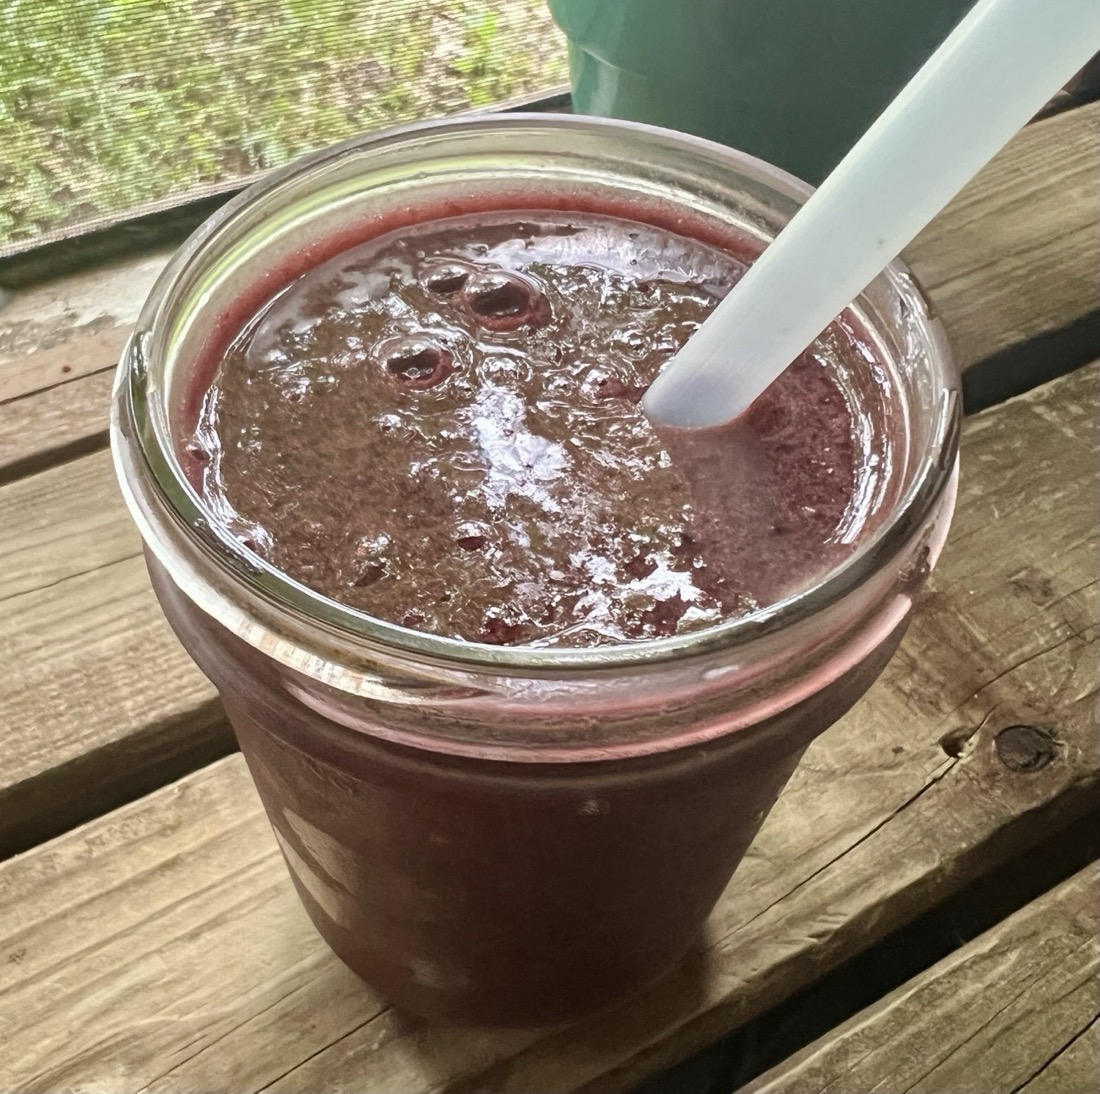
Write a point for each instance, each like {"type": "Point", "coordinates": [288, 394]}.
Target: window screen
{"type": "Point", "coordinates": [110, 108]}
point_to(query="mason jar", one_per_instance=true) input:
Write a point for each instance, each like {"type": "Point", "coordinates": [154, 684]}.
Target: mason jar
{"type": "Point", "coordinates": [512, 835]}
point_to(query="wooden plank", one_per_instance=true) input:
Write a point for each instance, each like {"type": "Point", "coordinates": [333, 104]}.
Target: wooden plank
{"type": "Point", "coordinates": [59, 344]}
{"type": "Point", "coordinates": [85, 352]}
{"type": "Point", "coordinates": [55, 424]}
{"type": "Point", "coordinates": [1013, 257]}
{"type": "Point", "coordinates": [77, 323]}
{"type": "Point", "coordinates": [161, 948]}
{"type": "Point", "coordinates": [65, 522]}
{"type": "Point", "coordinates": [100, 702]}
{"type": "Point", "coordinates": [994, 1015]}
{"type": "Point", "coordinates": [1015, 254]}
{"type": "Point", "coordinates": [1075, 1070]}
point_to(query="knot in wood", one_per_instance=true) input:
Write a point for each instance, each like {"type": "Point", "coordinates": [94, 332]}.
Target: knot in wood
{"type": "Point", "coordinates": [1025, 749]}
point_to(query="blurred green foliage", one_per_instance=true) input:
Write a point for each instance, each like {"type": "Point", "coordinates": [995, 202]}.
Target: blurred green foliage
{"type": "Point", "coordinates": [110, 104]}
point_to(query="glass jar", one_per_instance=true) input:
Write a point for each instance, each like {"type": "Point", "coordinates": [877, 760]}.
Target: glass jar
{"type": "Point", "coordinates": [512, 835]}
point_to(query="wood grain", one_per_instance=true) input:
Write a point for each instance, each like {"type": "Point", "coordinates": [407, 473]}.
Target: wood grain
{"type": "Point", "coordinates": [59, 344]}
{"type": "Point", "coordinates": [61, 523]}
{"type": "Point", "coordinates": [1014, 256]}
{"type": "Point", "coordinates": [55, 424]}
{"type": "Point", "coordinates": [84, 351]}
{"type": "Point", "coordinates": [99, 703]}
{"type": "Point", "coordinates": [78, 322]}
{"type": "Point", "coordinates": [995, 1015]}
{"type": "Point", "coordinates": [1074, 1070]}
{"type": "Point", "coordinates": [161, 948]}
{"type": "Point", "coordinates": [1016, 253]}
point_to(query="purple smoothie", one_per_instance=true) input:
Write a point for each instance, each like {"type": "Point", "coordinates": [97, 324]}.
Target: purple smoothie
{"type": "Point", "coordinates": [440, 427]}
{"type": "Point", "coordinates": [406, 373]}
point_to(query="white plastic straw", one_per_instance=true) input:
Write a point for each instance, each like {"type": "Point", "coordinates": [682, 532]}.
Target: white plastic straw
{"type": "Point", "coordinates": [996, 69]}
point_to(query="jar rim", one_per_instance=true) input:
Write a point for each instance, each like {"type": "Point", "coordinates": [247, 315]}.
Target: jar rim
{"type": "Point", "coordinates": [139, 414]}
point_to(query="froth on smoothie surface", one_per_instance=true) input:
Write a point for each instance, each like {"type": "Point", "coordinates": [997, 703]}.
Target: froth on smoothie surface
{"type": "Point", "coordinates": [440, 427]}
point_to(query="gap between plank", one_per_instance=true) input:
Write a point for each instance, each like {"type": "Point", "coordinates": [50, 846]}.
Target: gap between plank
{"type": "Point", "coordinates": [53, 457]}
{"type": "Point", "coordinates": [772, 1037]}
{"type": "Point", "coordinates": [1029, 364]}
{"type": "Point", "coordinates": [178, 758]}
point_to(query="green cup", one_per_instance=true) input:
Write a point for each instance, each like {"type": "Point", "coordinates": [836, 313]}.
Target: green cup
{"type": "Point", "coordinates": [795, 82]}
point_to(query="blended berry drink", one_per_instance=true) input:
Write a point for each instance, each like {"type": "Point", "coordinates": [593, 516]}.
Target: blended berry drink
{"type": "Point", "coordinates": [440, 427]}
{"type": "Point", "coordinates": [518, 678]}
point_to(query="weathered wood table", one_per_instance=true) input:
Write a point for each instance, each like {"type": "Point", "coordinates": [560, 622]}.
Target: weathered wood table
{"type": "Point", "coordinates": [149, 936]}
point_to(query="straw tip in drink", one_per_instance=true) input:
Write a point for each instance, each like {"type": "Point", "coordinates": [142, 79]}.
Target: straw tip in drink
{"type": "Point", "coordinates": [689, 403]}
